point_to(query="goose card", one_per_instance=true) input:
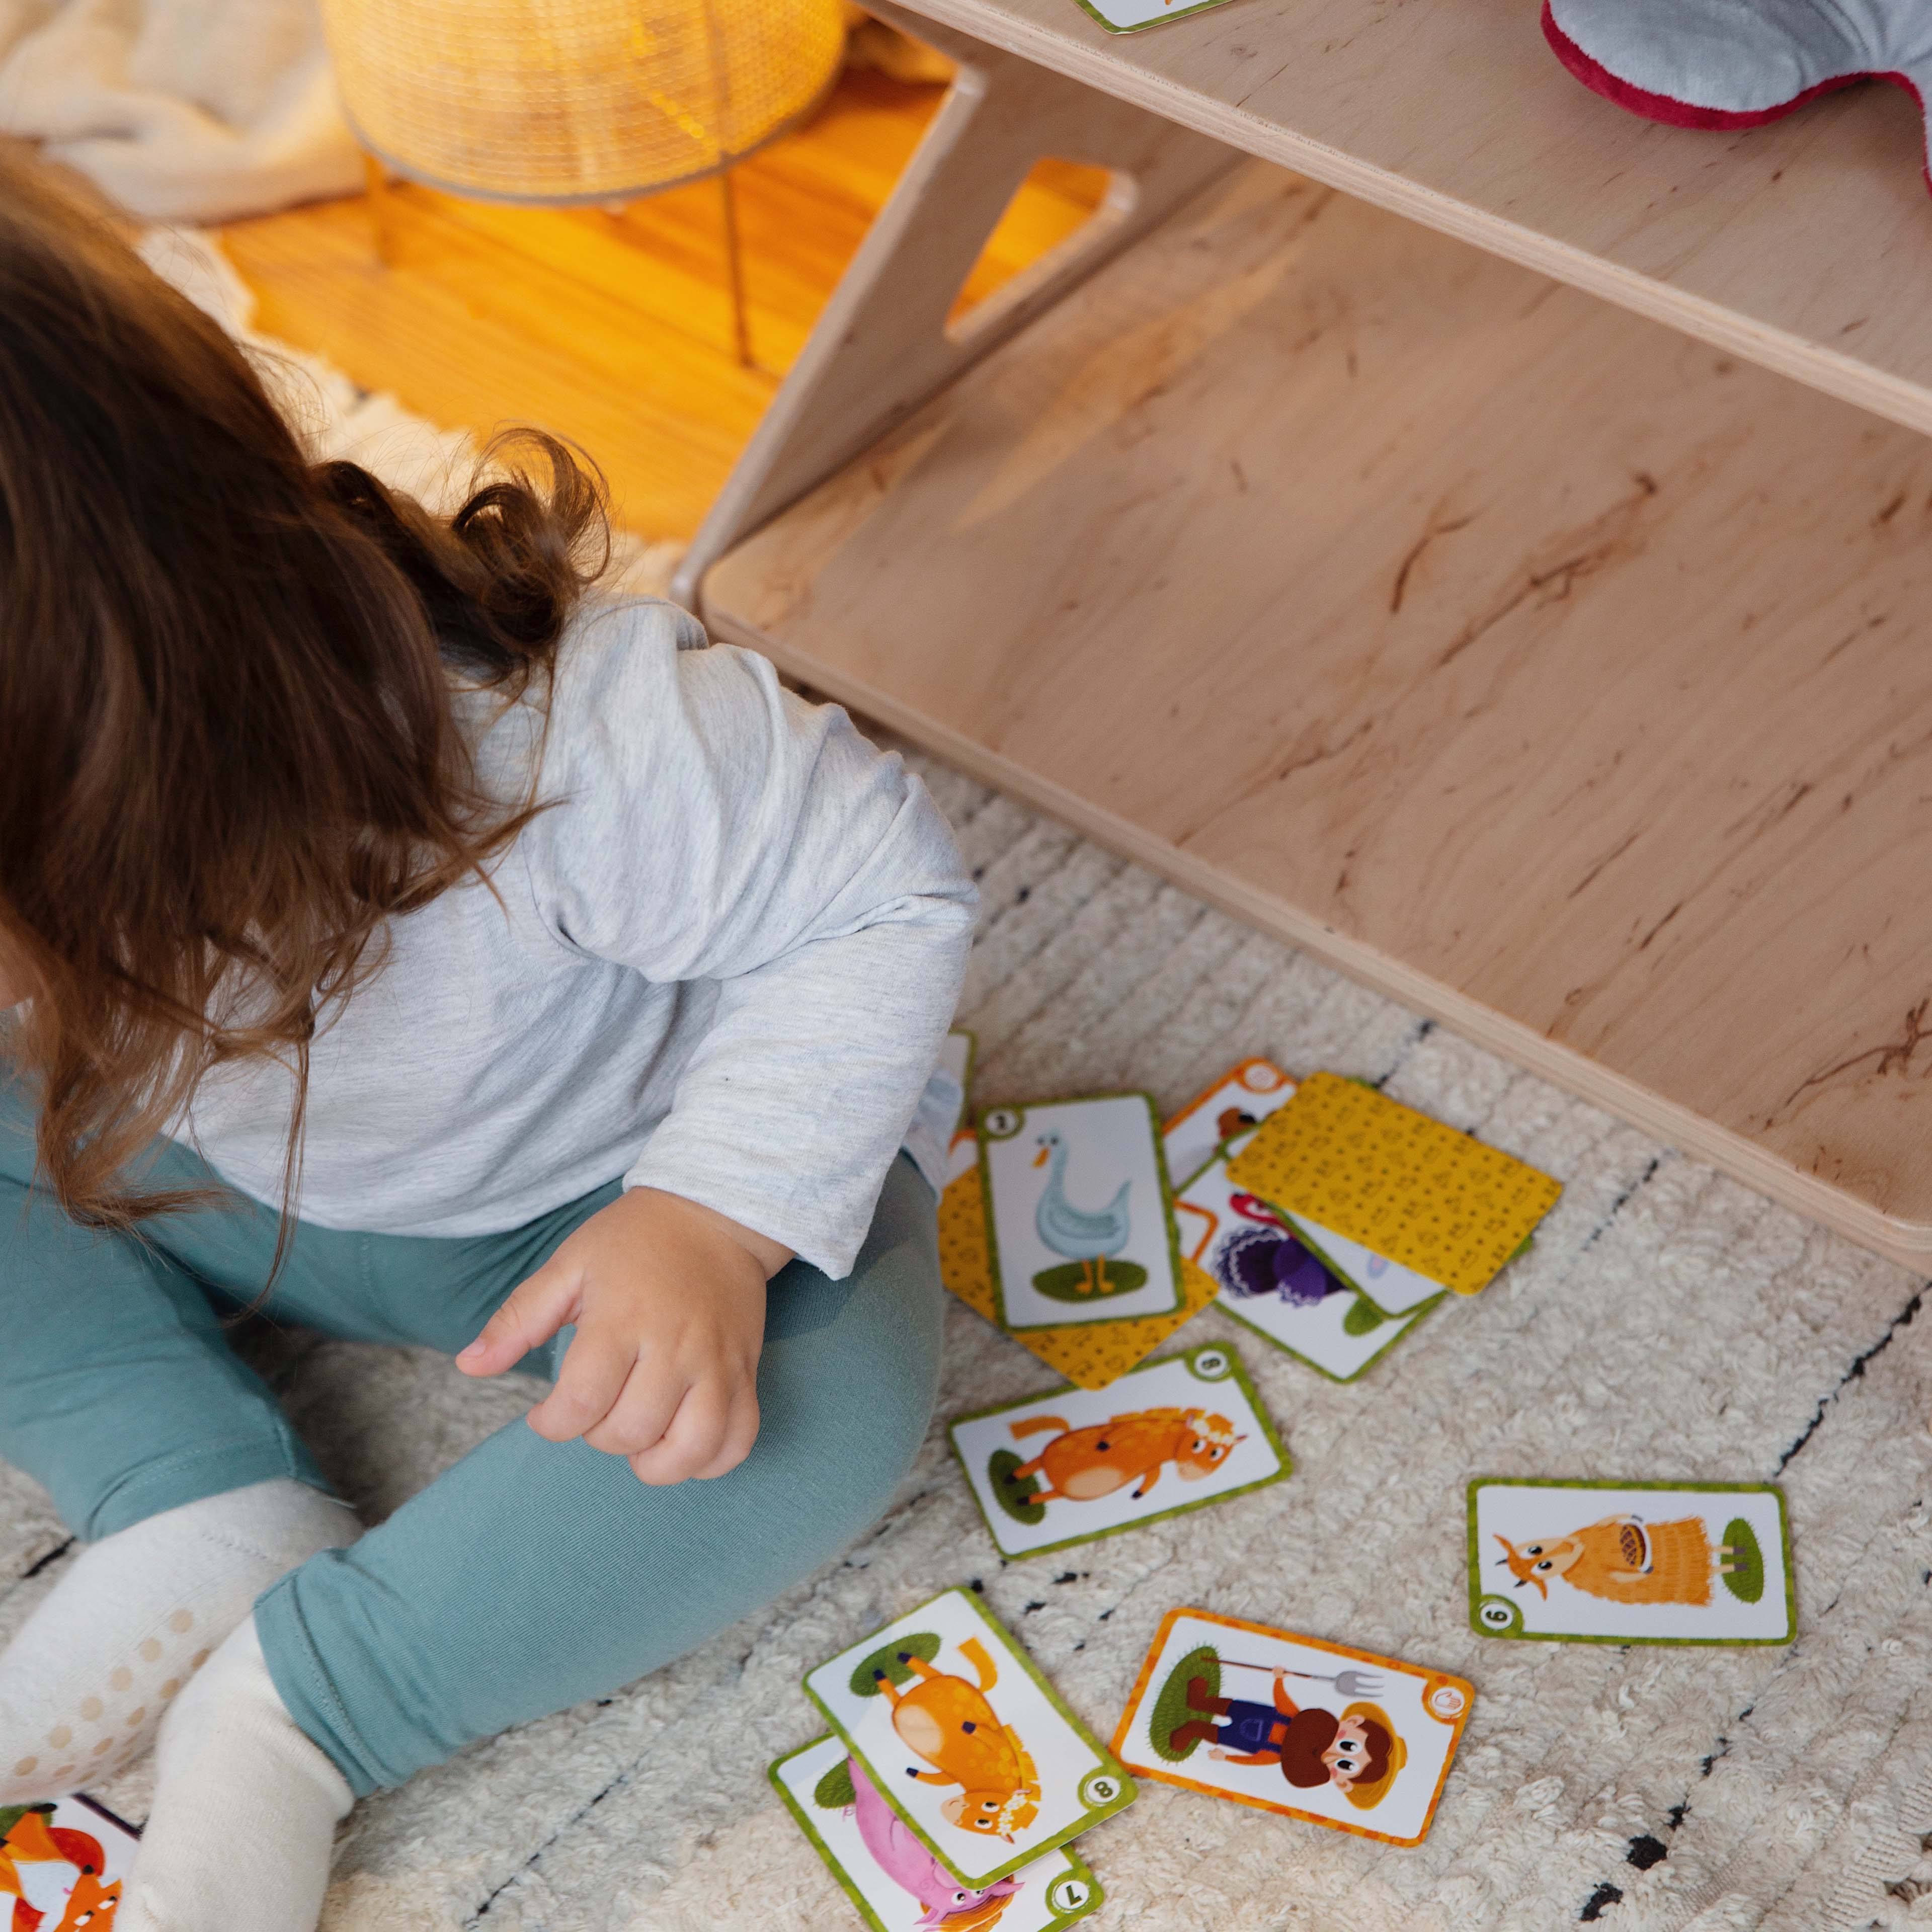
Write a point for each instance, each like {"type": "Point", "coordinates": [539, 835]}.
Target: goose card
{"type": "Point", "coordinates": [1354, 1167]}
{"type": "Point", "coordinates": [897, 1884]}
{"type": "Point", "coordinates": [1236, 1103]}
{"type": "Point", "coordinates": [1079, 1214]}
{"type": "Point", "coordinates": [1090, 1353]}
{"type": "Point", "coordinates": [966, 1741]}
{"type": "Point", "coordinates": [1074, 1465]}
{"type": "Point", "coordinates": [65, 1862]}
{"type": "Point", "coordinates": [1339, 1737]}
{"type": "Point", "coordinates": [1274, 1281]}
{"type": "Point", "coordinates": [1612, 1562]}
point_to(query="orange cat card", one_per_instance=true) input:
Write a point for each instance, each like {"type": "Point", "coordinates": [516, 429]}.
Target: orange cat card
{"type": "Point", "coordinates": [1314, 1730]}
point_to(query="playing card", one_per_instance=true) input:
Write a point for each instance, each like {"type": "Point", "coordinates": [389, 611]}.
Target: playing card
{"type": "Point", "coordinates": [1274, 1281]}
{"type": "Point", "coordinates": [1129, 16]}
{"type": "Point", "coordinates": [64, 1862]}
{"type": "Point", "coordinates": [1236, 1103]}
{"type": "Point", "coordinates": [1073, 1465]}
{"type": "Point", "coordinates": [1354, 1166]}
{"type": "Point", "coordinates": [896, 1883]}
{"type": "Point", "coordinates": [1588, 1562]}
{"type": "Point", "coordinates": [1314, 1730]}
{"type": "Point", "coordinates": [965, 1740]}
{"type": "Point", "coordinates": [1079, 1214]}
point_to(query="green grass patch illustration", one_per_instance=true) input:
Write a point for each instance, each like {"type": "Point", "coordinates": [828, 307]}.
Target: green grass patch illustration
{"type": "Point", "coordinates": [1075, 1280]}
{"type": "Point", "coordinates": [923, 1645]}
{"type": "Point", "coordinates": [1171, 1709]}
{"type": "Point", "coordinates": [834, 1791]}
{"type": "Point", "coordinates": [1014, 1494]}
{"type": "Point", "coordinates": [1745, 1580]}
{"type": "Point", "coordinates": [1363, 1317]}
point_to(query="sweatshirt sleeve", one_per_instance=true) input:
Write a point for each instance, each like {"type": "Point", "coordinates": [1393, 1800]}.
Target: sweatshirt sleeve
{"type": "Point", "coordinates": [712, 826]}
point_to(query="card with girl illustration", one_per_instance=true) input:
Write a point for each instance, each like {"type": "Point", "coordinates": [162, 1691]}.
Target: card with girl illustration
{"type": "Point", "coordinates": [1176, 1434]}
{"type": "Point", "coordinates": [1613, 1562]}
{"type": "Point", "coordinates": [1079, 1212]}
{"type": "Point", "coordinates": [1273, 1279]}
{"type": "Point", "coordinates": [1314, 1730]}
{"type": "Point", "coordinates": [965, 1741]}
{"type": "Point", "coordinates": [897, 1884]}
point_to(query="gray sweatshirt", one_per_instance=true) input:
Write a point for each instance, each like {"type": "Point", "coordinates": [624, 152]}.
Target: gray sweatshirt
{"type": "Point", "coordinates": [721, 963]}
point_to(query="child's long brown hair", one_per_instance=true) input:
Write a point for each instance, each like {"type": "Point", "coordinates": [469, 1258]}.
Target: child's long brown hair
{"type": "Point", "coordinates": [227, 753]}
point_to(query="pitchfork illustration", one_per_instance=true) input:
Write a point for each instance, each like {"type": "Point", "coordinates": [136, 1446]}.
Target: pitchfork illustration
{"type": "Point", "coordinates": [1347, 1683]}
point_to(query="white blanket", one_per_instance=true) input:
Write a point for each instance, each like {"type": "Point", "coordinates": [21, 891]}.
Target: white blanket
{"type": "Point", "coordinates": [182, 110]}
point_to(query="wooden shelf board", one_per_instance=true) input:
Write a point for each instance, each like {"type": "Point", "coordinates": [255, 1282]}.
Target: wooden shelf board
{"type": "Point", "coordinates": [1806, 245]}
{"type": "Point", "coordinates": [1549, 671]}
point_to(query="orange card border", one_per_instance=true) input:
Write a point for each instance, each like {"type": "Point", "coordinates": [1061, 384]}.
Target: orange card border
{"type": "Point", "coordinates": [1163, 1776]}
{"type": "Point", "coordinates": [1213, 1087]}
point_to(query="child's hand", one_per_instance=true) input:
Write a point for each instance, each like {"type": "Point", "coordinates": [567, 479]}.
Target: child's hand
{"type": "Point", "coordinates": [669, 1301]}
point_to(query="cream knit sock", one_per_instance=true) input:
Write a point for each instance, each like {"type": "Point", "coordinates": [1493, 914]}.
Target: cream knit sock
{"type": "Point", "coordinates": [245, 1809]}
{"type": "Point", "coordinates": [84, 1684]}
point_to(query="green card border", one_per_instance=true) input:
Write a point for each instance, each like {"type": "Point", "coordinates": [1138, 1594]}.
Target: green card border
{"type": "Point", "coordinates": [1476, 1592]}
{"type": "Point", "coordinates": [1141, 26]}
{"type": "Point", "coordinates": [802, 1816]}
{"type": "Point", "coordinates": [1404, 1325]}
{"type": "Point", "coordinates": [1239, 1374]}
{"type": "Point", "coordinates": [1166, 1197]}
{"type": "Point", "coordinates": [1012, 1644]}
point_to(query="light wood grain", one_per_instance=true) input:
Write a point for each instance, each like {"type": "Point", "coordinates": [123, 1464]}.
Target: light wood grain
{"type": "Point", "coordinates": [616, 329]}
{"type": "Point", "coordinates": [1553, 672]}
{"type": "Point", "coordinates": [883, 343]}
{"type": "Point", "coordinates": [1806, 246]}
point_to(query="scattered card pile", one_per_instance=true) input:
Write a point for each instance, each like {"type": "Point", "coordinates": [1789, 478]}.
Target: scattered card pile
{"type": "Point", "coordinates": [1330, 1220]}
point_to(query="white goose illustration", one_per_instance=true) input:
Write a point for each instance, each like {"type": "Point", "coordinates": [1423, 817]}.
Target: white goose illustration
{"type": "Point", "coordinates": [1086, 1238]}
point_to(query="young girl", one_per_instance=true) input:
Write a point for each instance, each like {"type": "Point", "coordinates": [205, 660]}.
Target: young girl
{"type": "Point", "coordinates": [404, 943]}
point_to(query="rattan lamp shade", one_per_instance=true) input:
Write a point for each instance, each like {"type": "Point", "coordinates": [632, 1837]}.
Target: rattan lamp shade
{"type": "Point", "coordinates": [562, 100]}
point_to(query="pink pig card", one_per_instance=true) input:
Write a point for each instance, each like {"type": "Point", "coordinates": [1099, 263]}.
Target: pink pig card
{"type": "Point", "coordinates": [895, 1882]}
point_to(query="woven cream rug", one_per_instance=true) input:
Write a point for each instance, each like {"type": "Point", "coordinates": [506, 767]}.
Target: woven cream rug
{"type": "Point", "coordinates": [1667, 1323]}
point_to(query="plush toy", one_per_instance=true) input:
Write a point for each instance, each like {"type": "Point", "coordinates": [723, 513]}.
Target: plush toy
{"type": "Point", "coordinates": [1738, 63]}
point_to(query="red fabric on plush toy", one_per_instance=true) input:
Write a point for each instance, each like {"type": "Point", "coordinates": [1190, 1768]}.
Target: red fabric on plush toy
{"type": "Point", "coordinates": [1738, 63]}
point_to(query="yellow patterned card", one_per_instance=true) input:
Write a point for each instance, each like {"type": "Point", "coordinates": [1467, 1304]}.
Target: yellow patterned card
{"type": "Point", "coordinates": [1090, 1353]}
{"type": "Point", "coordinates": [1401, 1185]}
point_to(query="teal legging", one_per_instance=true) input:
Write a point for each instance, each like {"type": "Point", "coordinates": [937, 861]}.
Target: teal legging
{"type": "Point", "coordinates": [532, 1575]}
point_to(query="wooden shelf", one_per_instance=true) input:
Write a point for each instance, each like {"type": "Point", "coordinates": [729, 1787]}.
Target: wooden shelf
{"type": "Point", "coordinates": [1552, 672]}
{"type": "Point", "coordinates": [1806, 246]}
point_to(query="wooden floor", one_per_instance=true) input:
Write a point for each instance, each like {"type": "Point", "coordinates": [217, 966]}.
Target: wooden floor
{"type": "Point", "coordinates": [1558, 674]}
{"type": "Point", "coordinates": [616, 329]}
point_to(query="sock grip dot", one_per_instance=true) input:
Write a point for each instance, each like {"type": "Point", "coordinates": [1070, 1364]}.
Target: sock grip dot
{"type": "Point", "coordinates": [26, 1766]}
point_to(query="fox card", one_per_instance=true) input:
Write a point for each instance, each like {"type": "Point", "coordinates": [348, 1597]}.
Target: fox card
{"type": "Point", "coordinates": [1631, 1562]}
{"type": "Point", "coordinates": [64, 1862]}
{"type": "Point", "coordinates": [1274, 1281]}
{"type": "Point", "coordinates": [896, 1883]}
{"type": "Point", "coordinates": [1236, 1104]}
{"type": "Point", "coordinates": [966, 1741]}
{"type": "Point", "coordinates": [1075, 1464]}
{"type": "Point", "coordinates": [1079, 1214]}
{"type": "Point", "coordinates": [1287, 1723]}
